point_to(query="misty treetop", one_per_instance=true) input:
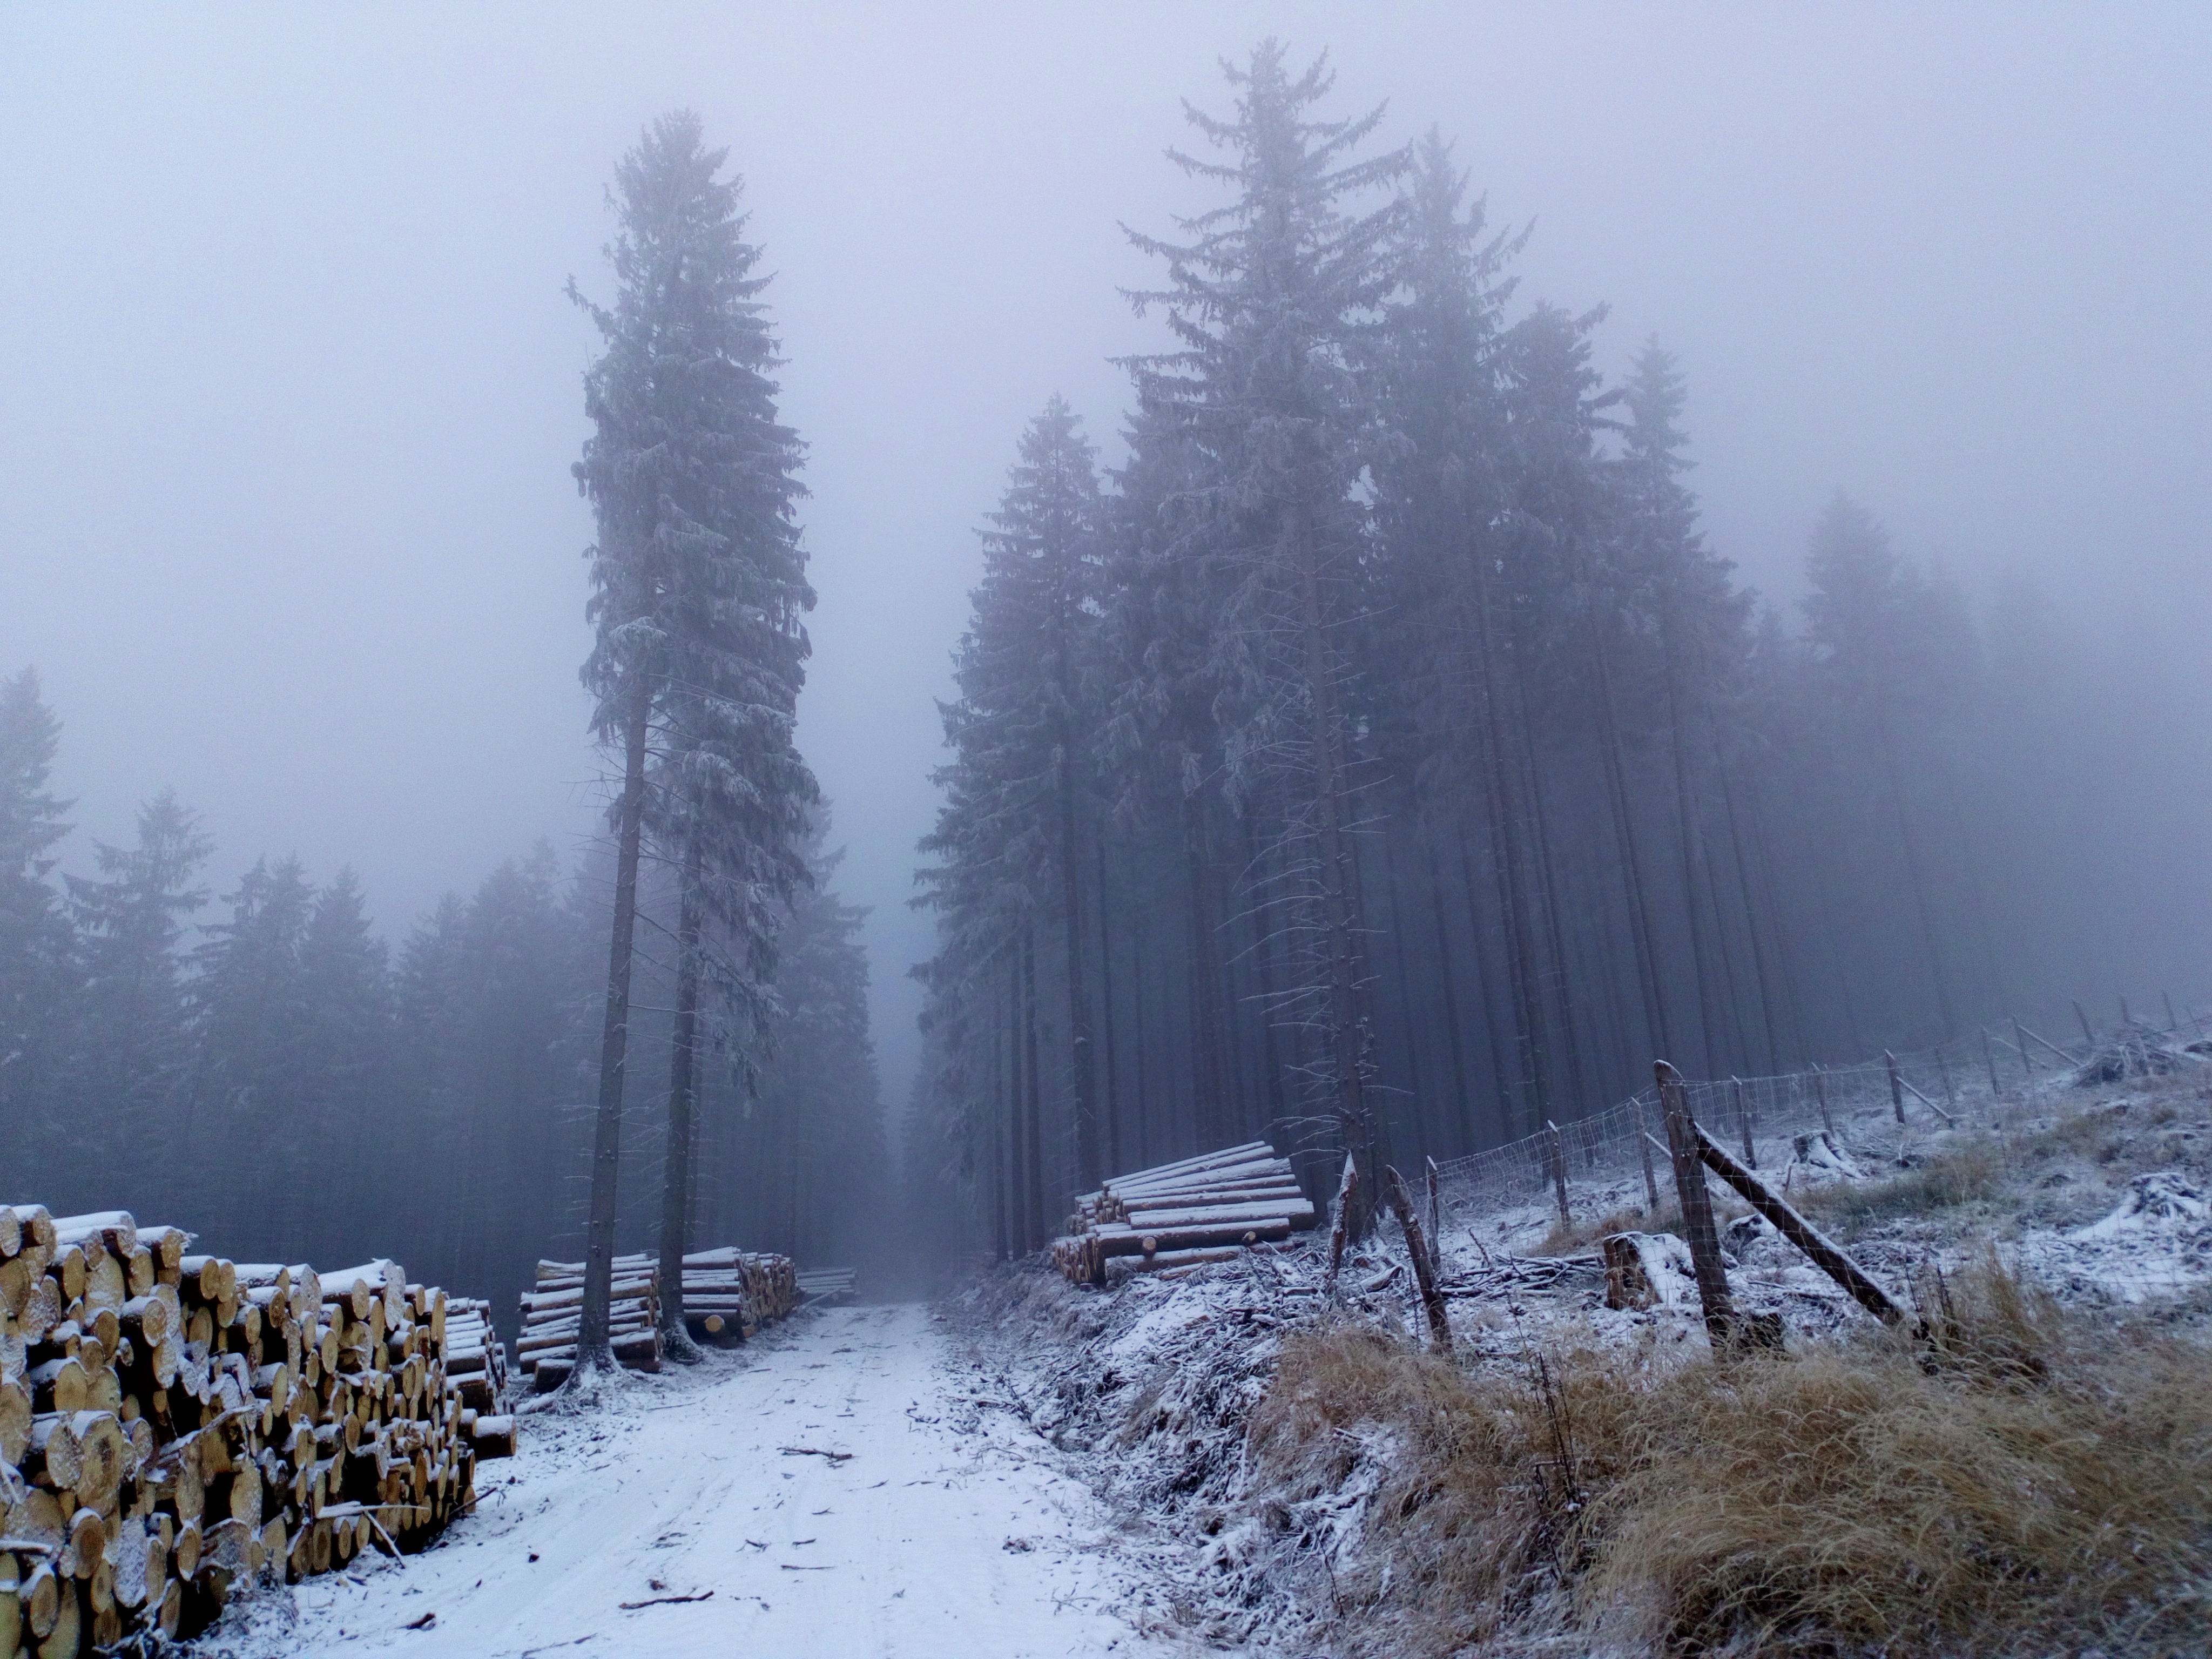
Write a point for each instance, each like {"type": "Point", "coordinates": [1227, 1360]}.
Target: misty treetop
{"type": "Point", "coordinates": [1381, 757]}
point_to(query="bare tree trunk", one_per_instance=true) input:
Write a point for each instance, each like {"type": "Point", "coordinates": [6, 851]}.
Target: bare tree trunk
{"type": "Point", "coordinates": [1209, 1063]}
{"type": "Point", "coordinates": [682, 1075]}
{"type": "Point", "coordinates": [1750, 908]}
{"type": "Point", "coordinates": [1113, 1100]}
{"type": "Point", "coordinates": [593, 1351]}
{"type": "Point", "coordinates": [1081, 1049]}
{"type": "Point", "coordinates": [1463, 1101]}
{"type": "Point", "coordinates": [1350, 1058]}
{"type": "Point", "coordinates": [1685, 807]}
{"type": "Point", "coordinates": [1911, 845]}
{"type": "Point", "coordinates": [1034, 1214]}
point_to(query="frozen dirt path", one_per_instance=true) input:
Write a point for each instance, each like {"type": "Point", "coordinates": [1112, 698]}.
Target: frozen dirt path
{"type": "Point", "coordinates": [950, 1533]}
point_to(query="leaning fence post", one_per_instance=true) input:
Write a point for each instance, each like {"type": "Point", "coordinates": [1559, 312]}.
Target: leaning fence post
{"type": "Point", "coordinates": [1643, 1146]}
{"type": "Point", "coordinates": [1743, 1121]}
{"type": "Point", "coordinates": [1896, 1086]}
{"type": "Point", "coordinates": [2088, 1036]}
{"type": "Point", "coordinates": [1696, 1204]}
{"type": "Point", "coordinates": [1950, 1095]}
{"type": "Point", "coordinates": [1436, 1208]}
{"type": "Point", "coordinates": [1558, 1156]}
{"type": "Point", "coordinates": [1820, 1090]}
{"type": "Point", "coordinates": [1990, 1058]}
{"type": "Point", "coordinates": [2019, 1041]}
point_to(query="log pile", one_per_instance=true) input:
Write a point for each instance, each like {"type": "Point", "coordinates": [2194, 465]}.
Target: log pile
{"type": "Point", "coordinates": [553, 1311]}
{"type": "Point", "coordinates": [174, 1427]}
{"type": "Point", "coordinates": [825, 1286]}
{"type": "Point", "coordinates": [1181, 1215]}
{"type": "Point", "coordinates": [728, 1294]}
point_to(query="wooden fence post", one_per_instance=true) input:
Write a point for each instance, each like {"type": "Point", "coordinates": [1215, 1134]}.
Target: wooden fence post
{"type": "Point", "coordinates": [1436, 1204]}
{"type": "Point", "coordinates": [1820, 1089]}
{"type": "Point", "coordinates": [1943, 1065]}
{"type": "Point", "coordinates": [1643, 1146]}
{"type": "Point", "coordinates": [1743, 1121]}
{"type": "Point", "coordinates": [1896, 1087]}
{"type": "Point", "coordinates": [1558, 1156]}
{"type": "Point", "coordinates": [1990, 1058]}
{"type": "Point", "coordinates": [1424, 1271]}
{"type": "Point", "coordinates": [2019, 1041]}
{"type": "Point", "coordinates": [1346, 1188]}
{"type": "Point", "coordinates": [1696, 1205]}
{"type": "Point", "coordinates": [2088, 1036]}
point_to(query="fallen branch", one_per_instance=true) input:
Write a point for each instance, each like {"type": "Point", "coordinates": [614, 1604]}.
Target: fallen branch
{"type": "Point", "coordinates": [663, 1601]}
{"type": "Point", "coordinates": [1801, 1232]}
{"type": "Point", "coordinates": [816, 1451]}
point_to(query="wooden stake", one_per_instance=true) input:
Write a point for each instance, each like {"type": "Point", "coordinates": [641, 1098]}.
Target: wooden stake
{"type": "Point", "coordinates": [1436, 1202]}
{"type": "Point", "coordinates": [2088, 1036]}
{"type": "Point", "coordinates": [1943, 1065]}
{"type": "Point", "coordinates": [1743, 1122]}
{"type": "Point", "coordinates": [1696, 1205]}
{"type": "Point", "coordinates": [1644, 1147]}
{"type": "Point", "coordinates": [1821, 1090]}
{"type": "Point", "coordinates": [1896, 1090]}
{"type": "Point", "coordinates": [1989, 1057]}
{"type": "Point", "coordinates": [1345, 1188]}
{"type": "Point", "coordinates": [1558, 1154]}
{"type": "Point", "coordinates": [1425, 1271]}
{"type": "Point", "coordinates": [1799, 1232]}
{"type": "Point", "coordinates": [2019, 1041]}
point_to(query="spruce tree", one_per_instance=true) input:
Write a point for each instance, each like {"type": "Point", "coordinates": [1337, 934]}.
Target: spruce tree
{"type": "Point", "coordinates": [37, 968]}
{"type": "Point", "coordinates": [130, 921]}
{"type": "Point", "coordinates": [1273, 299]}
{"type": "Point", "coordinates": [698, 592]}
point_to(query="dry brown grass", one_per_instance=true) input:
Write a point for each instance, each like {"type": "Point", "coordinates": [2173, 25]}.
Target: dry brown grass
{"type": "Point", "coordinates": [2030, 1482]}
{"type": "Point", "coordinates": [1567, 1239]}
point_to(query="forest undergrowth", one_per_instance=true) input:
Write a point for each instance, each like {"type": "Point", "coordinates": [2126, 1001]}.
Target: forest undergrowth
{"type": "Point", "coordinates": [2029, 1479]}
{"type": "Point", "coordinates": [2028, 1470]}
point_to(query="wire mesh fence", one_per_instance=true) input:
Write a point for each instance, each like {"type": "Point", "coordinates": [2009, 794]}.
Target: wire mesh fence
{"type": "Point", "coordinates": [1759, 1116]}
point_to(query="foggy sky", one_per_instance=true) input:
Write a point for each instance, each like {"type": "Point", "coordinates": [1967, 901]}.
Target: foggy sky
{"type": "Point", "coordinates": [291, 389]}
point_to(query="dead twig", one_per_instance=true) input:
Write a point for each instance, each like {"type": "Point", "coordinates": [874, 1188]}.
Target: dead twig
{"type": "Point", "coordinates": [663, 1601]}
{"type": "Point", "coordinates": [835, 1457]}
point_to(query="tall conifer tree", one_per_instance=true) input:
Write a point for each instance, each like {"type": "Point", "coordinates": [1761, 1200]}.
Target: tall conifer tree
{"type": "Point", "coordinates": [699, 587]}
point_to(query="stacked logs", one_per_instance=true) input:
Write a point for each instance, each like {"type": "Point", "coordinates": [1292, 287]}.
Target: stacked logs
{"type": "Point", "coordinates": [728, 1294]}
{"type": "Point", "coordinates": [827, 1285]}
{"type": "Point", "coordinates": [172, 1426]}
{"type": "Point", "coordinates": [1176, 1216]}
{"type": "Point", "coordinates": [553, 1311]}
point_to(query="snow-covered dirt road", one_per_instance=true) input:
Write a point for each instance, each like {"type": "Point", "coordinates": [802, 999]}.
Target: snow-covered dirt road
{"type": "Point", "coordinates": [944, 1528]}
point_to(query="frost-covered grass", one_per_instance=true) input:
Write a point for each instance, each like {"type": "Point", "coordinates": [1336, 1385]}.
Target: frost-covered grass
{"type": "Point", "coordinates": [2034, 1481]}
{"type": "Point", "coordinates": [2039, 1480]}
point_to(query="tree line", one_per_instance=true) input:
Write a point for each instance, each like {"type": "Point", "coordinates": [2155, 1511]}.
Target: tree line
{"type": "Point", "coordinates": [1379, 759]}
{"type": "Point", "coordinates": [261, 1068]}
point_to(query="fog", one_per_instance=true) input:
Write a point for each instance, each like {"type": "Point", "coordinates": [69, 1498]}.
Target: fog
{"type": "Point", "coordinates": [292, 387]}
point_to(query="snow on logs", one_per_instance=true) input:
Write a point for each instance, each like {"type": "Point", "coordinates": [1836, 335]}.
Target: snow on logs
{"type": "Point", "coordinates": [727, 1295]}
{"type": "Point", "coordinates": [173, 1425]}
{"type": "Point", "coordinates": [1202, 1209]}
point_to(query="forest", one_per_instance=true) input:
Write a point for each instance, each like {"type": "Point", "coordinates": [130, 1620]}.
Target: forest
{"type": "Point", "coordinates": [280, 1078]}
{"type": "Point", "coordinates": [1378, 757]}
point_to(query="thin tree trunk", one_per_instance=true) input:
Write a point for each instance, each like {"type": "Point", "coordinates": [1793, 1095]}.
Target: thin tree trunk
{"type": "Point", "coordinates": [1081, 1051]}
{"type": "Point", "coordinates": [1350, 1058]}
{"type": "Point", "coordinates": [1750, 908]}
{"type": "Point", "coordinates": [1113, 1101]}
{"type": "Point", "coordinates": [1463, 1101]}
{"type": "Point", "coordinates": [1212, 1115]}
{"type": "Point", "coordinates": [593, 1351]}
{"type": "Point", "coordinates": [683, 1072]}
{"type": "Point", "coordinates": [1692, 901]}
{"type": "Point", "coordinates": [1036, 1215]}
{"type": "Point", "coordinates": [1920, 904]}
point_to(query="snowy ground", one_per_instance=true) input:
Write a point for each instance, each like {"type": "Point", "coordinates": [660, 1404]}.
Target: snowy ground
{"type": "Point", "coordinates": [951, 1529]}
